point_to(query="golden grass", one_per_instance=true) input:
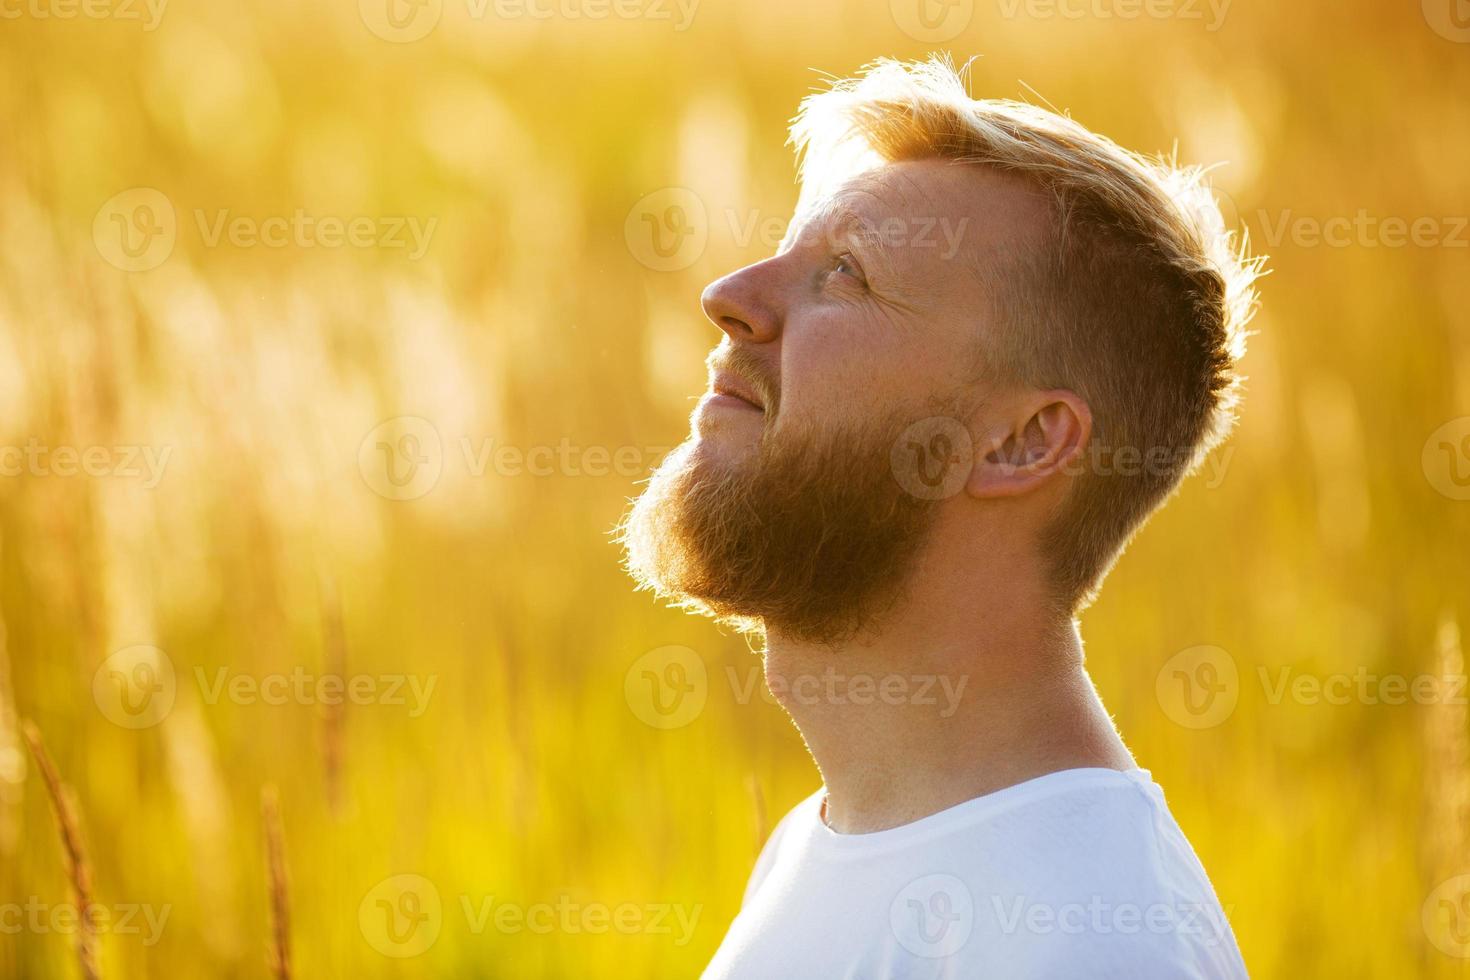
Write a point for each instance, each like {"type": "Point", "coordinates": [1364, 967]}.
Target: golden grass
{"type": "Point", "coordinates": [279, 956]}
{"type": "Point", "coordinates": [78, 868]}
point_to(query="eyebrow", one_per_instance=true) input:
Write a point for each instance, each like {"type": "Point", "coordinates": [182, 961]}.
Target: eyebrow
{"type": "Point", "coordinates": [841, 221]}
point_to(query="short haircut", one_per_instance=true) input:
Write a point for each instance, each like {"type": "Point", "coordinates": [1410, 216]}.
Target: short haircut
{"type": "Point", "coordinates": [1137, 300]}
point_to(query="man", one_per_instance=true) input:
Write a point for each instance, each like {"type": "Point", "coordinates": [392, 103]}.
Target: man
{"type": "Point", "coordinates": [991, 345]}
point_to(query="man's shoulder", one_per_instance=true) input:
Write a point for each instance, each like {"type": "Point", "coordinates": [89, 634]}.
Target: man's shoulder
{"type": "Point", "coordinates": [1098, 872]}
{"type": "Point", "coordinates": [1096, 832]}
{"type": "Point", "coordinates": [792, 825]}
{"type": "Point", "coordinates": [1053, 839]}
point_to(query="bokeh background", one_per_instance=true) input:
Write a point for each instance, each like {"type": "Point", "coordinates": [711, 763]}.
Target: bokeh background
{"type": "Point", "coordinates": [242, 455]}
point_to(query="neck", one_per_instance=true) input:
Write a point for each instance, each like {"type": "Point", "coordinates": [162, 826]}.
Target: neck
{"type": "Point", "coordinates": [959, 692]}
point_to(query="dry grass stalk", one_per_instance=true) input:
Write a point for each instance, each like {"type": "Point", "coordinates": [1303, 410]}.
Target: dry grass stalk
{"type": "Point", "coordinates": [78, 868]}
{"type": "Point", "coordinates": [12, 756]}
{"type": "Point", "coordinates": [279, 956]}
{"type": "Point", "coordinates": [334, 639]}
{"type": "Point", "coordinates": [1447, 766]}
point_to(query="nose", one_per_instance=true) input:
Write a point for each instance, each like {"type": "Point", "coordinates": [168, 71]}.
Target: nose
{"type": "Point", "coordinates": [743, 305]}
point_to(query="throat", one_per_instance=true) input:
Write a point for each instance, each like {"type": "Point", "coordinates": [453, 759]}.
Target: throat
{"type": "Point", "coordinates": [895, 743]}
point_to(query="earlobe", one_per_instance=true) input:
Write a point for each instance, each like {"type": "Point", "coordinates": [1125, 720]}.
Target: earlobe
{"type": "Point", "coordinates": [1038, 442]}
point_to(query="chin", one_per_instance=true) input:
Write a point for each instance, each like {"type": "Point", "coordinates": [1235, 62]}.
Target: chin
{"type": "Point", "coordinates": [727, 432]}
{"type": "Point", "coordinates": [722, 449]}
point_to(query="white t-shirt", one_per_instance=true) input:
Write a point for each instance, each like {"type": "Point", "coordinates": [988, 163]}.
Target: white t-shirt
{"type": "Point", "coordinates": [1079, 873]}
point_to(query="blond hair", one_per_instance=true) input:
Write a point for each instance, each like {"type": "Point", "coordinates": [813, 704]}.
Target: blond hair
{"type": "Point", "coordinates": [1137, 300]}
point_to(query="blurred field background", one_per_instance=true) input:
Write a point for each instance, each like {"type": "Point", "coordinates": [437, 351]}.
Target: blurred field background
{"type": "Point", "coordinates": [544, 313]}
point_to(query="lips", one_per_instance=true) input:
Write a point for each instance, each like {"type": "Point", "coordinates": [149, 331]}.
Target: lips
{"type": "Point", "coordinates": [734, 387]}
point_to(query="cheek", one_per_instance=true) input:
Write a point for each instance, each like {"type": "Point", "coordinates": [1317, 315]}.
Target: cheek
{"type": "Point", "coordinates": [841, 370]}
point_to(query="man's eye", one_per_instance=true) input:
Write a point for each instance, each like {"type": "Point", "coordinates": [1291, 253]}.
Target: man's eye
{"type": "Point", "coordinates": [845, 264]}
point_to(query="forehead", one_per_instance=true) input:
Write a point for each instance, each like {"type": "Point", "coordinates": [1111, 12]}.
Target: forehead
{"type": "Point", "coordinates": [927, 215]}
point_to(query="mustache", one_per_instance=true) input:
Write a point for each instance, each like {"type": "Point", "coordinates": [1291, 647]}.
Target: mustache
{"type": "Point", "coordinates": [751, 368]}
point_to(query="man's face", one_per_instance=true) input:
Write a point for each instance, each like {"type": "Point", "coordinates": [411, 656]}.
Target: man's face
{"type": "Point", "coordinates": [783, 505]}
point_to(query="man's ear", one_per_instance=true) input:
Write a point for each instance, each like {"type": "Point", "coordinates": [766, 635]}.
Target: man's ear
{"type": "Point", "coordinates": [1035, 442]}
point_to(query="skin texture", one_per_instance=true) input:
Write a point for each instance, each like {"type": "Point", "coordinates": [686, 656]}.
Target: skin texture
{"type": "Point", "coordinates": [835, 333]}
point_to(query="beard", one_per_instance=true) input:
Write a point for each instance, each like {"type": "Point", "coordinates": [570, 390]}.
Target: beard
{"type": "Point", "coordinates": [812, 537]}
